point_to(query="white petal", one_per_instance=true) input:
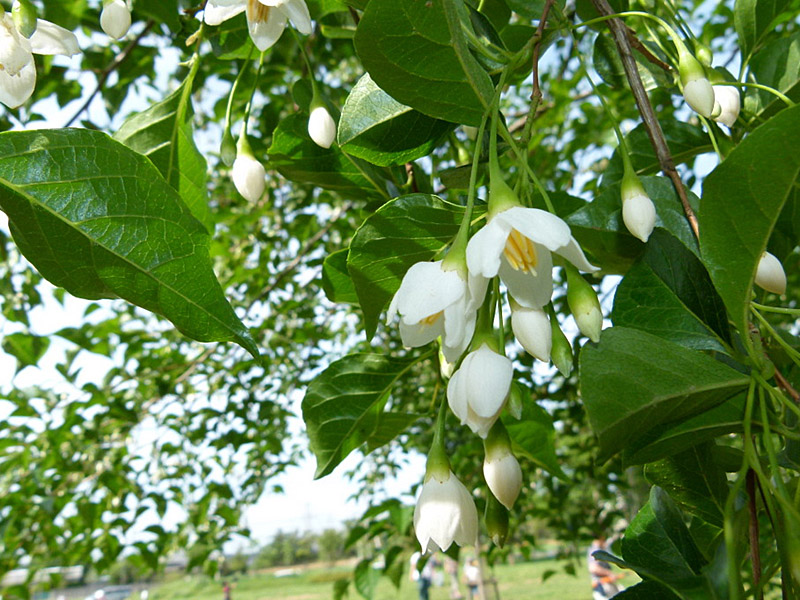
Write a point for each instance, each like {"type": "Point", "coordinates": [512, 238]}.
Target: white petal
{"type": "Point", "coordinates": [248, 177]}
{"type": "Point", "coordinates": [115, 19]}
{"type": "Point", "coordinates": [770, 274]}
{"type": "Point", "coordinates": [480, 425]}
{"type": "Point", "coordinates": [489, 380]}
{"type": "Point", "coordinates": [299, 15]}
{"type": "Point", "coordinates": [457, 395]}
{"type": "Point", "coordinates": [504, 478]}
{"type": "Point", "coordinates": [539, 226]}
{"type": "Point", "coordinates": [532, 329]}
{"type": "Point", "coordinates": [639, 216]}
{"type": "Point", "coordinates": [477, 290]}
{"type": "Point", "coordinates": [573, 253]}
{"type": "Point", "coordinates": [452, 352]}
{"type": "Point", "coordinates": [16, 89]}
{"type": "Point", "coordinates": [729, 101]}
{"type": "Point", "coordinates": [265, 33]}
{"type": "Point", "coordinates": [218, 11]}
{"type": "Point", "coordinates": [15, 50]}
{"type": "Point", "coordinates": [438, 512]}
{"type": "Point", "coordinates": [426, 290]}
{"type": "Point", "coordinates": [467, 532]}
{"type": "Point", "coordinates": [419, 334]}
{"type": "Point", "coordinates": [485, 247]}
{"type": "Point", "coordinates": [700, 96]}
{"type": "Point", "coordinates": [531, 291]}
{"type": "Point", "coordinates": [50, 38]}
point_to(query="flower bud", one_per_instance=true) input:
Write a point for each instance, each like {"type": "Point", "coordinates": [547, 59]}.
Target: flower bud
{"type": "Point", "coordinates": [696, 87]}
{"type": "Point", "coordinates": [728, 99]}
{"type": "Point", "coordinates": [704, 54]}
{"type": "Point", "coordinates": [496, 518]}
{"type": "Point", "coordinates": [561, 352]}
{"type": "Point", "coordinates": [115, 18]}
{"type": "Point", "coordinates": [321, 127]}
{"type": "Point", "coordinates": [583, 303]}
{"type": "Point", "coordinates": [248, 173]}
{"type": "Point", "coordinates": [770, 274]}
{"type": "Point", "coordinates": [500, 467]}
{"type": "Point", "coordinates": [532, 330]}
{"type": "Point", "coordinates": [227, 148]}
{"type": "Point", "coordinates": [638, 211]}
{"type": "Point", "coordinates": [25, 17]}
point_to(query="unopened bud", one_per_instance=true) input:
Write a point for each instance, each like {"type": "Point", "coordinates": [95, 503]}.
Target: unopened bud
{"type": "Point", "coordinates": [696, 87]}
{"type": "Point", "coordinates": [25, 17]}
{"type": "Point", "coordinates": [248, 173]}
{"type": "Point", "coordinates": [638, 211]}
{"type": "Point", "coordinates": [583, 303]}
{"type": "Point", "coordinates": [561, 351]}
{"type": "Point", "coordinates": [115, 18]}
{"type": "Point", "coordinates": [227, 148]}
{"type": "Point", "coordinates": [321, 127]}
{"type": "Point", "coordinates": [770, 274]}
{"type": "Point", "coordinates": [500, 467]}
{"type": "Point", "coordinates": [703, 53]}
{"type": "Point", "coordinates": [532, 329]}
{"type": "Point", "coordinates": [728, 99]}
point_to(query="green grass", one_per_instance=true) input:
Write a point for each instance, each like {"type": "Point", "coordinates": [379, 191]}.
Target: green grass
{"type": "Point", "coordinates": [520, 581]}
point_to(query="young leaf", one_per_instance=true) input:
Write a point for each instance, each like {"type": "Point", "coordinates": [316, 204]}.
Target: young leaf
{"type": "Point", "coordinates": [98, 219]}
{"type": "Point", "coordinates": [534, 437]}
{"type": "Point", "coordinates": [26, 348]}
{"type": "Point", "coordinates": [754, 19]}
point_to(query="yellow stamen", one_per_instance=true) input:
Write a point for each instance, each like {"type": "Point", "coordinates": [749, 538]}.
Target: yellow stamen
{"type": "Point", "coordinates": [431, 319]}
{"type": "Point", "coordinates": [521, 253]}
{"type": "Point", "coordinates": [257, 12]}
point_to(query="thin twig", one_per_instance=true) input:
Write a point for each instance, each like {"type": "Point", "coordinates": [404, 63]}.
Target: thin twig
{"type": "Point", "coordinates": [536, 93]}
{"type": "Point", "coordinates": [649, 118]}
{"type": "Point", "coordinates": [112, 66]}
{"type": "Point", "coordinates": [755, 553]}
{"type": "Point", "coordinates": [644, 50]}
{"type": "Point", "coordinates": [784, 384]}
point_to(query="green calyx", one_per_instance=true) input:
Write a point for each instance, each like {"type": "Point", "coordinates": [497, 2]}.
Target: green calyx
{"type": "Point", "coordinates": [497, 444]}
{"type": "Point", "coordinates": [243, 146]}
{"type": "Point", "coordinates": [501, 196]}
{"type": "Point", "coordinates": [631, 185]}
{"type": "Point", "coordinates": [496, 518]}
{"type": "Point", "coordinates": [689, 68]}
{"type": "Point", "coordinates": [25, 17]}
{"type": "Point", "coordinates": [438, 464]}
{"type": "Point", "coordinates": [561, 350]}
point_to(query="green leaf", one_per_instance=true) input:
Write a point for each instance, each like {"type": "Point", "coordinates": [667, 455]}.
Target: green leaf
{"type": "Point", "coordinates": [694, 481]}
{"type": "Point", "coordinates": [366, 578]}
{"type": "Point", "coordinates": [231, 40]}
{"type": "Point", "coordinates": [26, 348]}
{"type": "Point", "coordinates": [299, 159]}
{"type": "Point", "coordinates": [657, 543]}
{"type": "Point", "coordinates": [99, 220]}
{"type": "Point", "coordinates": [417, 52]}
{"type": "Point", "coordinates": [608, 64]}
{"type": "Point", "coordinates": [646, 590]}
{"type": "Point", "coordinates": [407, 230]}
{"type": "Point", "coordinates": [754, 19]}
{"type": "Point", "coordinates": [376, 127]}
{"type": "Point", "coordinates": [534, 437]}
{"type": "Point", "coordinates": [776, 65]}
{"type": "Point", "coordinates": [336, 281]}
{"type": "Point", "coordinates": [668, 293]}
{"type": "Point", "coordinates": [742, 199]}
{"type": "Point", "coordinates": [389, 425]}
{"type": "Point", "coordinates": [163, 11]}
{"type": "Point", "coordinates": [164, 134]}
{"type": "Point", "coordinates": [343, 406]}
{"type": "Point", "coordinates": [67, 13]}
{"type": "Point", "coordinates": [632, 382]}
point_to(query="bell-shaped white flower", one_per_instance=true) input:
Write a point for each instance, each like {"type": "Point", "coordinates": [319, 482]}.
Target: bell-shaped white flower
{"type": "Point", "coordinates": [17, 69]}
{"type": "Point", "coordinates": [516, 244]}
{"type": "Point", "coordinates": [770, 274]}
{"type": "Point", "coordinates": [266, 19]}
{"type": "Point", "coordinates": [532, 329]}
{"type": "Point", "coordinates": [433, 300]}
{"type": "Point", "coordinates": [728, 100]}
{"type": "Point", "coordinates": [248, 173]}
{"type": "Point", "coordinates": [478, 389]}
{"type": "Point", "coordinates": [445, 513]}
{"type": "Point", "coordinates": [321, 127]}
{"type": "Point", "coordinates": [115, 18]}
{"type": "Point", "coordinates": [503, 476]}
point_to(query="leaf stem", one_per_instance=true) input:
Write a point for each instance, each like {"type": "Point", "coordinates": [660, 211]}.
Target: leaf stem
{"type": "Point", "coordinates": [759, 86]}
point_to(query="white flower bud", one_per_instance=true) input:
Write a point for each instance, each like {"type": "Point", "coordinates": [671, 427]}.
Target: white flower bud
{"type": "Point", "coordinates": [700, 96]}
{"type": "Point", "coordinates": [445, 513]}
{"type": "Point", "coordinates": [770, 274]}
{"type": "Point", "coordinates": [639, 215]}
{"type": "Point", "coordinates": [503, 476]}
{"type": "Point", "coordinates": [115, 18]}
{"type": "Point", "coordinates": [322, 127]}
{"type": "Point", "coordinates": [729, 101]}
{"type": "Point", "coordinates": [532, 329]}
{"type": "Point", "coordinates": [248, 176]}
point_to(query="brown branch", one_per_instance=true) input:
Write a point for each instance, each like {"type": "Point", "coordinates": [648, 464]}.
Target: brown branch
{"type": "Point", "coordinates": [634, 41]}
{"type": "Point", "coordinates": [649, 118]}
{"type": "Point", "coordinates": [536, 94]}
{"type": "Point", "coordinates": [112, 66]}
{"type": "Point", "coordinates": [755, 552]}
{"type": "Point", "coordinates": [784, 384]}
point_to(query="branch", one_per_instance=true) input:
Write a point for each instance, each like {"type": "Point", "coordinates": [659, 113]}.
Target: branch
{"type": "Point", "coordinates": [536, 93]}
{"type": "Point", "coordinates": [618, 30]}
{"type": "Point", "coordinates": [645, 51]}
{"type": "Point", "coordinates": [112, 66]}
{"type": "Point", "coordinates": [784, 384]}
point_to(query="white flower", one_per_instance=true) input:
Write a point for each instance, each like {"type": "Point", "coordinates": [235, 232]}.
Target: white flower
{"type": "Point", "coordinates": [248, 176]}
{"type": "Point", "coordinates": [17, 69]}
{"type": "Point", "coordinates": [478, 390]}
{"type": "Point", "coordinates": [770, 274]}
{"type": "Point", "coordinates": [503, 476]}
{"type": "Point", "coordinates": [115, 18]}
{"type": "Point", "coordinates": [729, 101]}
{"type": "Point", "coordinates": [322, 127]}
{"type": "Point", "coordinates": [445, 513]}
{"type": "Point", "coordinates": [638, 214]}
{"type": "Point", "coordinates": [699, 95]}
{"type": "Point", "coordinates": [516, 243]}
{"type": "Point", "coordinates": [266, 19]}
{"type": "Point", "coordinates": [532, 329]}
{"type": "Point", "coordinates": [434, 301]}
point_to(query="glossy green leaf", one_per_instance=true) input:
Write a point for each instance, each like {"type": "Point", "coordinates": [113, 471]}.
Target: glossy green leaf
{"type": "Point", "coordinates": [164, 11]}
{"type": "Point", "coordinates": [231, 40]}
{"type": "Point", "coordinates": [608, 64]}
{"type": "Point", "coordinates": [776, 65]}
{"type": "Point", "coordinates": [534, 437]}
{"type": "Point", "coordinates": [754, 19]}
{"type": "Point", "coordinates": [418, 53]}
{"type": "Point", "coordinates": [633, 382]}
{"type": "Point", "coordinates": [336, 281]}
{"type": "Point", "coordinates": [67, 13]}
{"type": "Point", "coordinates": [669, 293]}
{"type": "Point", "coordinates": [647, 590]}
{"type": "Point", "coordinates": [28, 349]}
{"type": "Point", "coordinates": [299, 159]}
{"type": "Point", "coordinates": [407, 230]}
{"type": "Point", "coordinates": [99, 220]}
{"type": "Point", "coordinates": [376, 127]}
{"type": "Point", "coordinates": [694, 481]}
{"type": "Point", "coordinates": [343, 406]}
{"type": "Point", "coordinates": [164, 134]}
{"type": "Point", "coordinates": [742, 199]}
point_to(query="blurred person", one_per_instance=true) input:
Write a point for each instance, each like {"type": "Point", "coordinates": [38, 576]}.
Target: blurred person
{"type": "Point", "coordinates": [451, 567]}
{"type": "Point", "coordinates": [604, 580]}
{"type": "Point", "coordinates": [226, 591]}
{"type": "Point", "coordinates": [424, 576]}
{"type": "Point", "coordinates": [472, 575]}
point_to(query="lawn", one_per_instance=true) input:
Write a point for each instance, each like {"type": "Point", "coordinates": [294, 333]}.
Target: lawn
{"type": "Point", "coordinates": [520, 581]}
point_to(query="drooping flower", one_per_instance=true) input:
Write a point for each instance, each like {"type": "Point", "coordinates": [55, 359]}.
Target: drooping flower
{"type": "Point", "coordinates": [115, 18]}
{"type": "Point", "coordinates": [321, 127]}
{"type": "Point", "coordinates": [433, 300]}
{"type": "Point", "coordinates": [478, 389]}
{"type": "Point", "coordinates": [770, 274]}
{"type": "Point", "coordinates": [728, 100]}
{"type": "Point", "coordinates": [503, 476]}
{"type": "Point", "coordinates": [17, 68]}
{"type": "Point", "coordinates": [445, 513]}
{"type": "Point", "coordinates": [638, 210]}
{"type": "Point", "coordinates": [532, 329]}
{"type": "Point", "coordinates": [266, 19]}
{"type": "Point", "coordinates": [516, 244]}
